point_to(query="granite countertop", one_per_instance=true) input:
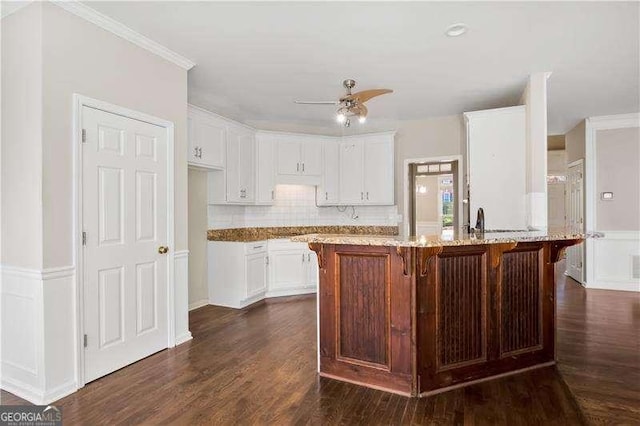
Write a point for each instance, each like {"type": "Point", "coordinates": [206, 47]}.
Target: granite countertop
{"type": "Point", "coordinates": [266, 233]}
{"type": "Point", "coordinates": [439, 241]}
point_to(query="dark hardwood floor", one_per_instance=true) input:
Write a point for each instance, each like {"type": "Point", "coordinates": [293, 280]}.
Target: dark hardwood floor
{"type": "Point", "coordinates": [257, 366]}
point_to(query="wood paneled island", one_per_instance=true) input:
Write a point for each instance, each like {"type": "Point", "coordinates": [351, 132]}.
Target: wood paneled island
{"type": "Point", "coordinates": [422, 315]}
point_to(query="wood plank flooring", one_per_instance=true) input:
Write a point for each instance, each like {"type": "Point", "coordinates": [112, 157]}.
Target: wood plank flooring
{"type": "Point", "coordinates": [257, 366]}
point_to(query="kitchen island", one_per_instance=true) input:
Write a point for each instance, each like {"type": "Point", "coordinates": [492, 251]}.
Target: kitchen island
{"type": "Point", "coordinates": [421, 315]}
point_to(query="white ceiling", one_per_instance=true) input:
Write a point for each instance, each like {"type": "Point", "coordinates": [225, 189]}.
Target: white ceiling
{"type": "Point", "coordinates": [254, 59]}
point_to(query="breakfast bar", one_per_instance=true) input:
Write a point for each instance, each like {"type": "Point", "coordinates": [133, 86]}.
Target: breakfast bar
{"type": "Point", "coordinates": [422, 315]}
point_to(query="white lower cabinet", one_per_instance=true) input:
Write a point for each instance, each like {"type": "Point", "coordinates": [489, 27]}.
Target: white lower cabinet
{"type": "Point", "coordinates": [237, 273]}
{"type": "Point", "coordinates": [243, 273]}
{"type": "Point", "coordinates": [293, 269]}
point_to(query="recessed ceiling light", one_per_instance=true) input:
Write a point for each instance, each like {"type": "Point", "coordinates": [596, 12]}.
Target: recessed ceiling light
{"type": "Point", "coordinates": [456, 30]}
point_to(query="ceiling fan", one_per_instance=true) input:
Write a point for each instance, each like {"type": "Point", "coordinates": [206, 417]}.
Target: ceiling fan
{"type": "Point", "coordinates": [351, 104]}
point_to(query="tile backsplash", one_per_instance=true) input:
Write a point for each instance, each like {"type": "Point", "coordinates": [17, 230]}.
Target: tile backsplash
{"type": "Point", "coordinates": [295, 205]}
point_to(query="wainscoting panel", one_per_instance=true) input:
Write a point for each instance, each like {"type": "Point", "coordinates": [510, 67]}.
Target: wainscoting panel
{"type": "Point", "coordinates": [181, 297]}
{"type": "Point", "coordinates": [613, 259]}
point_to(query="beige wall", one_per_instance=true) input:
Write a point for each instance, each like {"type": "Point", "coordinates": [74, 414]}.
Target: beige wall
{"type": "Point", "coordinates": [198, 289]}
{"type": "Point", "coordinates": [22, 138]}
{"type": "Point", "coordinates": [575, 142]}
{"type": "Point", "coordinates": [430, 137]}
{"type": "Point", "coordinates": [79, 57]}
{"type": "Point", "coordinates": [618, 171]}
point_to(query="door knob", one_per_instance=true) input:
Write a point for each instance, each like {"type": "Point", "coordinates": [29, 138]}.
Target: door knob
{"type": "Point", "coordinates": [163, 249]}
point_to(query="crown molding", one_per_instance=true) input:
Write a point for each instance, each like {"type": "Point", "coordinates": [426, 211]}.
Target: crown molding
{"type": "Point", "coordinates": [121, 30]}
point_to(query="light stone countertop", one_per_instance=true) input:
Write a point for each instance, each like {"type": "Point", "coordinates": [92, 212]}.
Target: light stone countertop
{"type": "Point", "coordinates": [439, 241]}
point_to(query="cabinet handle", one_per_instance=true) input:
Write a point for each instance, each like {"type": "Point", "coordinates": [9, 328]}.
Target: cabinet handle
{"type": "Point", "coordinates": [266, 260]}
{"type": "Point", "coordinates": [362, 195]}
{"type": "Point", "coordinates": [302, 257]}
{"type": "Point", "coordinates": [297, 167]}
{"type": "Point", "coordinates": [308, 257]}
{"type": "Point", "coordinates": [302, 167]}
{"type": "Point", "coordinates": [326, 196]}
{"type": "Point", "coordinates": [200, 152]}
{"type": "Point", "coordinates": [367, 195]}
{"type": "Point", "coordinates": [272, 195]}
{"type": "Point", "coordinates": [257, 247]}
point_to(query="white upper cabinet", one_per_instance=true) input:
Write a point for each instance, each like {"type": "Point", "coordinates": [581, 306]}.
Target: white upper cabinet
{"type": "Point", "coordinates": [240, 166]}
{"type": "Point", "coordinates": [328, 192]}
{"type": "Point", "coordinates": [366, 170]}
{"type": "Point", "coordinates": [298, 159]}
{"type": "Point", "coordinates": [207, 139]}
{"type": "Point", "coordinates": [265, 169]}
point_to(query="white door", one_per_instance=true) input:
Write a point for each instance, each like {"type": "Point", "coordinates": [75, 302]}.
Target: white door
{"type": "Point", "coordinates": [575, 220]}
{"type": "Point", "coordinates": [256, 267]}
{"type": "Point", "coordinates": [378, 172]}
{"type": "Point", "coordinates": [288, 157]}
{"type": "Point", "coordinates": [124, 202]}
{"type": "Point", "coordinates": [351, 173]}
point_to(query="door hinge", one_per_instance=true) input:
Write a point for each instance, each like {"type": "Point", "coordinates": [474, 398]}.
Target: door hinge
{"type": "Point", "coordinates": [266, 260]}
{"type": "Point", "coordinates": [85, 340]}
{"type": "Point", "coordinates": [84, 135]}
{"type": "Point", "coordinates": [84, 238]}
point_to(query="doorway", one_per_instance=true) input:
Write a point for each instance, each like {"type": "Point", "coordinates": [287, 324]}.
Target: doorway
{"type": "Point", "coordinates": [434, 198]}
{"type": "Point", "coordinates": [125, 224]}
{"type": "Point", "coordinates": [575, 219]}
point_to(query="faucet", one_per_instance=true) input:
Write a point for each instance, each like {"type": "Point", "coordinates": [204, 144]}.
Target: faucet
{"type": "Point", "coordinates": [480, 220]}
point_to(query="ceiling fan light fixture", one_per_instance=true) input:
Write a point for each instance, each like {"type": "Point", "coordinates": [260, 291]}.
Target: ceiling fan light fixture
{"type": "Point", "coordinates": [362, 119]}
{"type": "Point", "coordinates": [340, 117]}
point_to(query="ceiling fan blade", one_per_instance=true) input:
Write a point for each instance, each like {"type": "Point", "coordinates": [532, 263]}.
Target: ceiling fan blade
{"type": "Point", "coordinates": [365, 95]}
{"type": "Point", "coordinates": [360, 110]}
{"type": "Point", "coordinates": [317, 102]}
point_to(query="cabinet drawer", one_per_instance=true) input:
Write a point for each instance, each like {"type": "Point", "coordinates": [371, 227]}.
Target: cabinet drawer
{"type": "Point", "coordinates": [255, 247]}
{"type": "Point", "coordinates": [286, 244]}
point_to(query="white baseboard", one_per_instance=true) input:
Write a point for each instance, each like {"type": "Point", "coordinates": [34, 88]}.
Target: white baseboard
{"type": "Point", "coordinates": [198, 304]}
{"type": "Point", "coordinates": [35, 396]}
{"type": "Point", "coordinates": [183, 338]}
{"type": "Point", "coordinates": [292, 291]}
{"type": "Point", "coordinates": [60, 392]}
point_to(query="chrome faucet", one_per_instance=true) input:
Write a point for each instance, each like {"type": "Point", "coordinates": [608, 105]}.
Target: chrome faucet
{"type": "Point", "coordinates": [480, 220]}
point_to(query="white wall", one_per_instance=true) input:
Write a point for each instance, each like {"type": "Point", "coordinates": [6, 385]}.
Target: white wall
{"type": "Point", "coordinates": [198, 287]}
{"type": "Point", "coordinates": [22, 138]}
{"type": "Point", "coordinates": [48, 54]}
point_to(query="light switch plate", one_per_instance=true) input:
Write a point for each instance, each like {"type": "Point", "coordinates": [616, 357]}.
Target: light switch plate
{"type": "Point", "coordinates": [606, 196]}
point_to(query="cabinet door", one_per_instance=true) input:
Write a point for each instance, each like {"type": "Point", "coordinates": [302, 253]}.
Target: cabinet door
{"type": "Point", "coordinates": [288, 157]}
{"type": "Point", "coordinates": [212, 140]}
{"type": "Point", "coordinates": [378, 171]}
{"type": "Point", "coordinates": [265, 176]}
{"type": "Point", "coordinates": [351, 172]}
{"type": "Point", "coordinates": [193, 153]}
{"type": "Point", "coordinates": [311, 157]}
{"type": "Point", "coordinates": [328, 191]}
{"type": "Point", "coordinates": [287, 269]}
{"type": "Point", "coordinates": [312, 269]}
{"type": "Point", "coordinates": [234, 189]}
{"type": "Point", "coordinates": [256, 269]}
{"type": "Point", "coordinates": [207, 141]}
{"type": "Point", "coordinates": [246, 164]}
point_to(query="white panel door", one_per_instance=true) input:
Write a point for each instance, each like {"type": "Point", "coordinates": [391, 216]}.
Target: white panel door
{"type": "Point", "coordinates": [288, 157]}
{"type": "Point", "coordinates": [124, 199]}
{"type": "Point", "coordinates": [378, 172]}
{"type": "Point", "coordinates": [351, 173]}
{"type": "Point", "coordinates": [311, 157]}
{"type": "Point", "coordinates": [246, 165]}
{"type": "Point", "coordinates": [575, 221]}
